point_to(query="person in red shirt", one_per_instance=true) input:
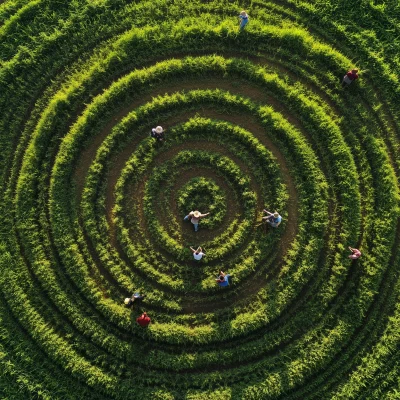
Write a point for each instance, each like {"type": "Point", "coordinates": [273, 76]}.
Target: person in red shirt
{"type": "Point", "coordinates": [355, 253]}
{"type": "Point", "coordinates": [143, 320]}
{"type": "Point", "coordinates": [350, 77]}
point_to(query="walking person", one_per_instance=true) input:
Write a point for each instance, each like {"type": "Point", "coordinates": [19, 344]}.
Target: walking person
{"type": "Point", "coordinates": [143, 320]}
{"type": "Point", "coordinates": [195, 217]}
{"type": "Point", "coordinates": [197, 254]}
{"type": "Point", "coordinates": [223, 279]}
{"type": "Point", "coordinates": [349, 77]}
{"type": "Point", "coordinates": [355, 253]}
{"type": "Point", "coordinates": [274, 219]}
{"type": "Point", "coordinates": [158, 134]}
{"type": "Point", "coordinates": [243, 20]}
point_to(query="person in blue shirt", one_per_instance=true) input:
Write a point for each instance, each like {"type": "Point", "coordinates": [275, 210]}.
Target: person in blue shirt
{"type": "Point", "coordinates": [243, 19]}
{"type": "Point", "coordinates": [223, 279]}
{"type": "Point", "coordinates": [274, 219]}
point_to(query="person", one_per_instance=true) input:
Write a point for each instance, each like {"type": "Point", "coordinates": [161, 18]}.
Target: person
{"type": "Point", "coordinates": [243, 19]}
{"type": "Point", "coordinates": [223, 279]}
{"type": "Point", "coordinates": [158, 134]}
{"type": "Point", "coordinates": [143, 320]}
{"type": "Point", "coordinates": [195, 218]}
{"type": "Point", "coordinates": [274, 219]}
{"type": "Point", "coordinates": [350, 77]}
{"type": "Point", "coordinates": [197, 254]}
{"type": "Point", "coordinates": [128, 301]}
{"type": "Point", "coordinates": [136, 297]}
{"type": "Point", "coordinates": [355, 253]}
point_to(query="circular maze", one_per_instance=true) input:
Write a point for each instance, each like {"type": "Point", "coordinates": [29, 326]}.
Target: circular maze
{"type": "Point", "coordinates": [93, 207]}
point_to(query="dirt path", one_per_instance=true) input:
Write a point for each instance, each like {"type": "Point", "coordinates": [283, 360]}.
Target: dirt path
{"type": "Point", "coordinates": [248, 122]}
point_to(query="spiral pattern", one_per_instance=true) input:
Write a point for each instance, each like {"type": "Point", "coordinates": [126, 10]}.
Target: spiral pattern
{"type": "Point", "coordinates": [93, 207]}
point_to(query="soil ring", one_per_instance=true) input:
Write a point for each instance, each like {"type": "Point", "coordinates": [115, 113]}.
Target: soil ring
{"type": "Point", "coordinates": [249, 125]}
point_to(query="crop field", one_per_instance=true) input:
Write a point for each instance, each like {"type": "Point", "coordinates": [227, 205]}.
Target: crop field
{"type": "Point", "coordinates": [93, 207]}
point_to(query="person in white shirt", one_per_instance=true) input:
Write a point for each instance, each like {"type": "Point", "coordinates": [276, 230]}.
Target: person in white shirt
{"type": "Point", "coordinates": [197, 254]}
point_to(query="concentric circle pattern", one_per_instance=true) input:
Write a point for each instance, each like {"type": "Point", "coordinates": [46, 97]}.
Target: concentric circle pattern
{"type": "Point", "coordinates": [93, 207]}
{"type": "Point", "coordinates": [204, 194]}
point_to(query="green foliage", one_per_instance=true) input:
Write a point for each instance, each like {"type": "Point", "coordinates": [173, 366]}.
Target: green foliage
{"type": "Point", "coordinates": [93, 207]}
{"type": "Point", "coordinates": [203, 194]}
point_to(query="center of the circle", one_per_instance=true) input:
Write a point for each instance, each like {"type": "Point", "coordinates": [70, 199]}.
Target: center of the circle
{"type": "Point", "coordinates": [205, 195]}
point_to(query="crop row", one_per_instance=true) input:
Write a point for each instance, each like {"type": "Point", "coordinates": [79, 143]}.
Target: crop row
{"type": "Point", "coordinates": [335, 311]}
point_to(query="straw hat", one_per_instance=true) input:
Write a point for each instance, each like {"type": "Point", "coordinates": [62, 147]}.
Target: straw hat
{"type": "Point", "coordinates": [276, 215]}
{"type": "Point", "coordinates": [354, 70]}
{"type": "Point", "coordinates": [159, 129]}
{"type": "Point", "coordinates": [126, 301]}
{"type": "Point", "coordinates": [243, 13]}
{"type": "Point", "coordinates": [196, 214]}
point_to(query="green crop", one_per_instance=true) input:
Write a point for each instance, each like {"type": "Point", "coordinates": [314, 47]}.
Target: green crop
{"type": "Point", "coordinates": [93, 207]}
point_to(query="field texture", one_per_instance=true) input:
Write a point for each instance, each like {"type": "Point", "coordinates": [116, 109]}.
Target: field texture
{"type": "Point", "coordinates": [92, 207]}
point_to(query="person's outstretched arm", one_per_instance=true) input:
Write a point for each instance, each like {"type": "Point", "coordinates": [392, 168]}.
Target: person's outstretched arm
{"type": "Point", "coordinates": [204, 215]}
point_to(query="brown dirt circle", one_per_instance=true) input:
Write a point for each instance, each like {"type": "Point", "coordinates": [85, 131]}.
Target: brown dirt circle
{"type": "Point", "coordinates": [247, 122]}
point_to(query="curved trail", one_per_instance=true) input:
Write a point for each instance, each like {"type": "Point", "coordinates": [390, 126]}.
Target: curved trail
{"type": "Point", "coordinates": [249, 123]}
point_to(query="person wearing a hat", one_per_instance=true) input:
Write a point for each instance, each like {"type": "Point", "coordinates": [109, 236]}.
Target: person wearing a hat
{"type": "Point", "coordinates": [274, 219]}
{"type": "Point", "coordinates": [143, 320]}
{"type": "Point", "coordinates": [195, 218]}
{"type": "Point", "coordinates": [355, 253]}
{"type": "Point", "coordinates": [197, 254]}
{"type": "Point", "coordinates": [158, 134]}
{"type": "Point", "coordinates": [243, 19]}
{"type": "Point", "coordinates": [350, 77]}
{"type": "Point", "coordinates": [136, 297]}
{"type": "Point", "coordinates": [223, 279]}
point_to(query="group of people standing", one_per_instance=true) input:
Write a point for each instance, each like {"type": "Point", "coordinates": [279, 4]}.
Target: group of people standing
{"type": "Point", "coordinates": [272, 219]}
{"type": "Point", "coordinates": [198, 254]}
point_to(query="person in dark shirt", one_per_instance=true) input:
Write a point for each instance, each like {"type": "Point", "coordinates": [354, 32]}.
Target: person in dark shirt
{"type": "Point", "coordinates": [158, 134]}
